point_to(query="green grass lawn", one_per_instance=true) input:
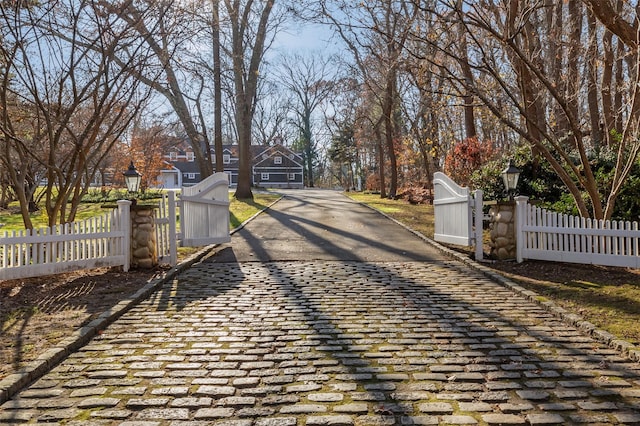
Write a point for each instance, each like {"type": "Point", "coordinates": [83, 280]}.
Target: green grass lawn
{"type": "Point", "coordinates": [241, 210]}
{"type": "Point", "coordinates": [417, 216]}
{"type": "Point", "coordinates": [605, 296]}
{"type": "Point", "coordinates": [12, 219]}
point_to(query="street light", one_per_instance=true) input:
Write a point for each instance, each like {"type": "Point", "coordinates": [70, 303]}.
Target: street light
{"type": "Point", "coordinates": [510, 177]}
{"type": "Point", "coordinates": [132, 178]}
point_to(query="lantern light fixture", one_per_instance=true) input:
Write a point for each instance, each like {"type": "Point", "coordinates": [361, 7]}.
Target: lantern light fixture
{"type": "Point", "coordinates": [510, 177]}
{"type": "Point", "coordinates": [132, 178]}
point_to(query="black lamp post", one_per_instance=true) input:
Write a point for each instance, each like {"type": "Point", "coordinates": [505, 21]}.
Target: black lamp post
{"type": "Point", "coordinates": [510, 177]}
{"type": "Point", "coordinates": [132, 178]}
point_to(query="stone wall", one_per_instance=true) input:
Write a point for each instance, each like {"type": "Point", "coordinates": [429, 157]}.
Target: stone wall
{"type": "Point", "coordinates": [502, 230]}
{"type": "Point", "coordinates": [144, 253]}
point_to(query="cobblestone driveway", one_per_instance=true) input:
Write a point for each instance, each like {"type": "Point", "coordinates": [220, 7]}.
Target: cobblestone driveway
{"type": "Point", "coordinates": [336, 343]}
{"type": "Point", "coordinates": [330, 342]}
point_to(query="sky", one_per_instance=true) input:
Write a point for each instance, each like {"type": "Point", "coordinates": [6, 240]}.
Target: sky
{"type": "Point", "coordinates": [309, 37]}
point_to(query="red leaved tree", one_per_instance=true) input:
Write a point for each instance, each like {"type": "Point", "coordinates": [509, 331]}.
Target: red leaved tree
{"type": "Point", "coordinates": [466, 157]}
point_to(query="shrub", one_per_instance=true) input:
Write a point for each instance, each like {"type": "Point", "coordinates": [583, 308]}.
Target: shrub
{"type": "Point", "coordinates": [542, 185]}
{"type": "Point", "coordinates": [466, 157]}
{"type": "Point", "coordinates": [109, 195]}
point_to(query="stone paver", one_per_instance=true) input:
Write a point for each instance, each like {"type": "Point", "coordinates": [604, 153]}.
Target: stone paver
{"type": "Point", "coordinates": [330, 342]}
{"type": "Point", "coordinates": [336, 343]}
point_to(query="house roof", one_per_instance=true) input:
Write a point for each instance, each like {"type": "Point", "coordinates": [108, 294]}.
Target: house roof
{"type": "Point", "coordinates": [261, 156]}
{"type": "Point", "coordinates": [257, 150]}
{"type": "Point", "coordinates": [267, 159]}
{"type": "Point", "coordinates": [187, 166]}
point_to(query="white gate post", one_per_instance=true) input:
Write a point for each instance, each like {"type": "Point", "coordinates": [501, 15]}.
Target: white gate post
{"type": "Point", "coordinates": [520, 222]}
{"type": "Point", "coordinates": [180, 235]}
{"type": "Point", "coordinates": [124, 213]}
{"type": "Point", "coordinates": [173, 235]}
{"type": "Point", "coordinates": [478, 219]}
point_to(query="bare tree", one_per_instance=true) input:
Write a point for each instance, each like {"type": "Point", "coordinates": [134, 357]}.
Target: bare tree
{"type": "Point", "coordinates": [251, 27]}
{"type": "Point", "coordinates": [217, 83]}
{"type": "Point", "coordinates": [173, 31]}
{"type": "Point", "coordinates": [64, 100]}
{"type": "Point", "coordinates": [376, 34]}
{"type": "Point", "coordinates": [270, 120]}
{"type": "Point", "coordinates": [310, 79]}
{"type": "Point", "coordinates": [510, 40]}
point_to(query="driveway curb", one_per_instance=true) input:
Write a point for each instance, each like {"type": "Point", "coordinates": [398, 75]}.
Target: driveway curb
{"type": "Point", "coordinates": [31, 372]}
{"type": "Point", "coordinates": [623, 347]}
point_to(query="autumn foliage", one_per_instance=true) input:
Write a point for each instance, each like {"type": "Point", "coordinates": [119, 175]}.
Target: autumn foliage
{"type": "Point", "coordinates": [466, 157]}
{"type": "Point", "coordinates": [146, 149]}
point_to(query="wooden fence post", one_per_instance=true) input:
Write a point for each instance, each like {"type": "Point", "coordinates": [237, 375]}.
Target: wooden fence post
{"type": "Point", "coordinates": [124, 214]}
{"type": "Point", "coordinates": [478, 219]}
{"type": "Point", "coordinates": [173, 235]}
{"type": "Point", "coordinates": [520, 221]}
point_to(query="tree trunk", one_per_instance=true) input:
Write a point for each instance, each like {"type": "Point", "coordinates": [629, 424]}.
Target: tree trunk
{"type": "Point", "coordinates": [573, 57]}
{"type": "Point", "coordinates": [555, 22]}
{"type": "Point", "coordinates": [614, 22]}
{"type": "Point", "coordinates": [217, 88]}
{"type": "Point", "coordinates": [308, 148]}
{"type": "Point", "coordinates": [243, 122]}
{"type": "Point", "coordinates": [592, 85]}
{"type": "Point", "coordinates": [607, 81]}
{"type": "Point", "coordinates": [619, 82]}
{"type": "Point", "coordinates": [383, 185]}
{"type": "Point", "coordinates": [467, 97]}
{"type": "Point", "coordinates": [245, 76]}
{"type": "Point", "coordinates": [390, 132]}
{"type": "Point", "coordinates": [469, 113]}
{"type": "Point", "coordinates": [531, 97]}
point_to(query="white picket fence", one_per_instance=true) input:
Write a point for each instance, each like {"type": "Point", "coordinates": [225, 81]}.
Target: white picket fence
{"type": "Point", "coordinates": [101, 241]}
{"type": "Point", "coordinates": [104, 241]}
{"type": "Point", "coordinates": [545, 235]}
{"type": "Point", "coordinates": [540, 234]}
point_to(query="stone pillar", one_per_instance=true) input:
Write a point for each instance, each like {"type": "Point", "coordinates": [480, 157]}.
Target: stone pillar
{"type": "Point", "coordinates": [502, 230]}
{"type": "Point", "coordinates": [144, 253]}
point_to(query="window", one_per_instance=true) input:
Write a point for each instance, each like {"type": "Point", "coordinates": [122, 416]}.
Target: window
{"type": "Point", "coordinates": [190, 156]}
{"type": "Point", "coordinates": [226, 158]}
{"type": "Point", "coordinates": [292, 176]}
{"type": "Point", "coordinates": [191, 176]}
{"type": "Point", "coordinates": [277, 160]}
{"type": "Point", "coordinates": [264, 176]}
{"type": "Point", "coordinates": [173, 156]}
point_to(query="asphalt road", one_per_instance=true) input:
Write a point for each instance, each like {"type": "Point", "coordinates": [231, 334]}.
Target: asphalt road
{"type": "Point", "coordinates": [324, 225]}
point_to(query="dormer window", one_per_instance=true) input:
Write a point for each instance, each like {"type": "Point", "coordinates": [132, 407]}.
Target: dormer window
{"type": "Point", "coordinates": [226, 158]}
{"type": "Point", "coordinates": [277, 160]}
{"type": "Point", "coordinates": [190, 156]}
{"type": "Point", "coordinates": [173, 156]}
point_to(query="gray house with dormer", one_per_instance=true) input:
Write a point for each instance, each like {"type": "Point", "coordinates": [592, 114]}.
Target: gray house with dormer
{"type": "Point", "coordinates": [274, 166]}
